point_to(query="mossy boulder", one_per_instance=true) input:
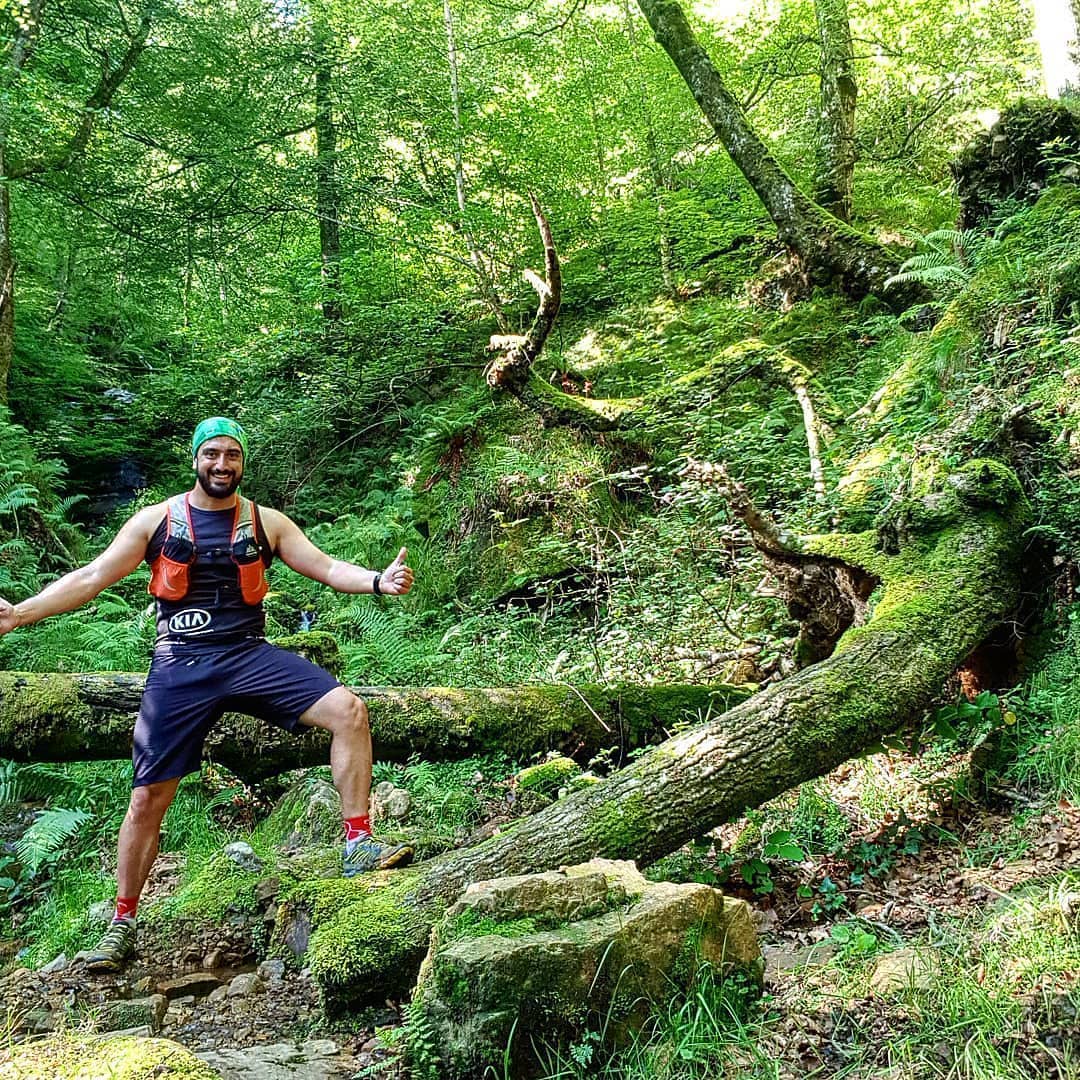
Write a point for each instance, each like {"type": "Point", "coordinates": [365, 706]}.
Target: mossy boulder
{"type": "Point", "coordinates": [361, 937]}
{"type": "Point", "coordinates": [1030, 146]}
{"type": "Point", "coordinates": [77, 1057]}
{"type": "Point", "coordinates": [307, 816]}
{"type": "Point", "coordinates": [549, 956]}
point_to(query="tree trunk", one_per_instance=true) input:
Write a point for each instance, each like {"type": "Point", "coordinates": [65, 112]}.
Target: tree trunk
{"type": "Point", "coordinates": [832, 253]}
{"type": "Point", "coordinates": [954, 577]}
{"type": "Point", "coordinates": [836, 146]}
{"type": "Point", "coordinates": [7, 286]}
{"type": "Point", "coordinates": [484, 279]}
{"type": "Point", "coordinates": [57, 717]}
{"type": "Point", "coordinates": [327, 195]}
{"type": "Point", "coordinates": [1056, 26]}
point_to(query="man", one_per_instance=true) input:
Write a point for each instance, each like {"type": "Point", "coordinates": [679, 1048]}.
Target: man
{"type": "Point", "coordinates": [208, 551]}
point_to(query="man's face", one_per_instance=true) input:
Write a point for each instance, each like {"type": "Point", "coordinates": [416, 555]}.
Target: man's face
{"type": "Point", "coordinates": [219, 466]}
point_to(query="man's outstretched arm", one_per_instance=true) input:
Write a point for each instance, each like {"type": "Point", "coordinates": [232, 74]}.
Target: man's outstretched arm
{"type": "Point", "coordinates": [73, 590]}
{"type": "Point", "coordinates": [299, 553]}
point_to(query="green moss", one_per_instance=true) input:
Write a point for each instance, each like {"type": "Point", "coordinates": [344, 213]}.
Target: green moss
{"type": "Point", "coordinates": [367, 937]}
{"type": "Point", "coordinates": [38, 707]}
{"type": "Point", "coordinates": [689, 957]}
{"type": "Point", "coordinates": [616, 829]}
{"type": "Point", "coordinates": [991, 485]}
{"type": "Point", "coordinates": [77, 1057]}
{"type": "Point", "coordinates": [217, 887]}
{"type": "Point", "coordinates": [317, 646]}
{"type": "Point", "coordinates": [532, 719]}
{"type": "Point", "coordinates": [472, 924]}
{"type": "Point", "coordinates": [855, 549]}
{"type": "Point", "coordinates": [547, 777]}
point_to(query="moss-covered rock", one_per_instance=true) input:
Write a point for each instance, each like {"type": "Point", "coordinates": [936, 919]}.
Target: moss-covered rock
{"type": "Point", "coordinates": [547, 956]}
{"type": "Point", "coordinates": [307, 816]}
{"type": "Point", "coordinates": [76, 1057]}
{"type": "Point", "coordinates": [1016, 158]}
{"type": "Point", "coordinates": [361, 937]}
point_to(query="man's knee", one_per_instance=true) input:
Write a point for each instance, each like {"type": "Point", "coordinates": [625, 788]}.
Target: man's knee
{"type": "Point", "coordinates": [150, 801]}
{"type": "Point", "coordinates": [353, 721]}
{"type": "Point", "coordinates": [341, 713]}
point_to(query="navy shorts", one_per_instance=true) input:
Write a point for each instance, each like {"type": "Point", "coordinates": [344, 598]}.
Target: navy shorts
{"type": "Point", "coordinates": [188, 690]}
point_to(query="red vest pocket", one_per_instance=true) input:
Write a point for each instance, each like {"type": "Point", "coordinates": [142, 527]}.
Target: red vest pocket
{"type": "Point", "coordinates": [253, 583]}
{"type": "Point", "coordinates": [169, 579]}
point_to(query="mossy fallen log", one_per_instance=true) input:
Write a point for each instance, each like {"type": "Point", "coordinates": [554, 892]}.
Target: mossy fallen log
{"type": "Point", "coordinates": [949, 564]}
{"type": "Point", "coordinates": [85, 717]}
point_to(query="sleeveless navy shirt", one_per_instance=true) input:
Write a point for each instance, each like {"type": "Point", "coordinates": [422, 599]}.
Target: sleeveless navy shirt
{"type": "Point", "coordinates": [213, 612]}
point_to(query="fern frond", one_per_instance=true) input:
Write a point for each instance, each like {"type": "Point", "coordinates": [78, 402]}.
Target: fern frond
{"type": "Point", "coordinates": [12, 786]}
{"type": "Point", "coordinates": [18, 497]}
{"type": "Point", "coordinates": [954, 240]}
{"type": "Point", "coordinates": [47, 835]}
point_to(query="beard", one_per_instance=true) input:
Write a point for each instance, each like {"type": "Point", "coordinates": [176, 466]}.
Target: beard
{"type": "Point", "coordinates": [218, 487]}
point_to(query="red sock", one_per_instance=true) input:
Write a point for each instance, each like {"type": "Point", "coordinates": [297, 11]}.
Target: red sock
{"type": "Point", "coordinates": [125, 907]}
{"type": "Point", "coordinates": [358, 828]}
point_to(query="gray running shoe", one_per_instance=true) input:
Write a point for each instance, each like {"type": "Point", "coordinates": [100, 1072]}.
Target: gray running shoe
{"type": "Point", "coordinates": [372, 854]}
{"type": "Point", "coordinates": [115, 949]}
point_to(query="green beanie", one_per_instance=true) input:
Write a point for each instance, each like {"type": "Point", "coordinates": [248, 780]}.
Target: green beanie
{"type": "Point", "coordinates": [218, 425]}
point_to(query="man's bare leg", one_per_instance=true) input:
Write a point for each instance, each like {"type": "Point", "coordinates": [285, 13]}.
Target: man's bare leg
{"type": "Point", "coordinates": [345, 716]}
{"type": "Point", "coordinates": [140, 833]}
{"type": "Point", "coordinates": [136, 852]}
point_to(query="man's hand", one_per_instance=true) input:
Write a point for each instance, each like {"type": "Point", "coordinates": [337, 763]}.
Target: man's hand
{"type": "Point", "coordinates": [9, 620]}
{"type": "Point", "coordinates": [397, 578]}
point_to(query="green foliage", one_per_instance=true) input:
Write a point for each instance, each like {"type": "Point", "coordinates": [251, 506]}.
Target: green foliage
{"type": "Point", "coordinates": [854, 940]}
{"type": "Point", "coordinates": [877, 857]}
{"type": "Point", "coordinates": [941, 266]}
{"type": "Point", "coordinates": [709, 1027]}
{"type": "Point", "coordinates": [44, 841]}
{"type": "Point", "coordinates": [778, 846]}
{"type": "Point", "coordinates": [974, 718]}
{"type": "Point", "coordinates": [449, 798]}
{"type": "Point", "coordinates": [1043, 745]}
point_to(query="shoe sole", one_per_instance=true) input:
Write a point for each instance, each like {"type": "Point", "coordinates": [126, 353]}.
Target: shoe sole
{"type": "Point", "coordinates": [397, 858]}
{"type": "Point", "coordinates": [107, 967]}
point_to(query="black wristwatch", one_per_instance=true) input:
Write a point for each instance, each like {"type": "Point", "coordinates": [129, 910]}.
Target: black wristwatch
{"type": "Point", "coordinates": [375, 584]}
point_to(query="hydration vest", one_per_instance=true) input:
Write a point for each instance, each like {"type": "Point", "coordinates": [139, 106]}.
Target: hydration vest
{"type": "Point", "coordinates": [170, 572]}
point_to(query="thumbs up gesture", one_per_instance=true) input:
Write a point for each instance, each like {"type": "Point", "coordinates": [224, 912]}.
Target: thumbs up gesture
{"type": "Point", "coordinates": [397, 578]}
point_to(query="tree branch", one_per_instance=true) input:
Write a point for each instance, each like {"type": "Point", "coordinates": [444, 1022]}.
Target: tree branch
{"type": "Point", "coordinates": [109, 82]}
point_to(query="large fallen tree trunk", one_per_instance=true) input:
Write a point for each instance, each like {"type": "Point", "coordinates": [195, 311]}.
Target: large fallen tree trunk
{"type": "Point", "coordinates": [949, 564]}
{"type": "Point", "coordinates": [56, 717]}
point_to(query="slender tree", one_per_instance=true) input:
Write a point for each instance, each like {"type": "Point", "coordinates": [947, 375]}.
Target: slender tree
{"type": "Point", "coordinates": [836, 145]}
{"type": "Point", "coordinates": [327, 195]}
{"type": "Point", "coordinates": [484, 277]}
{"type": "Point", "coordinates": [830, 251]}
